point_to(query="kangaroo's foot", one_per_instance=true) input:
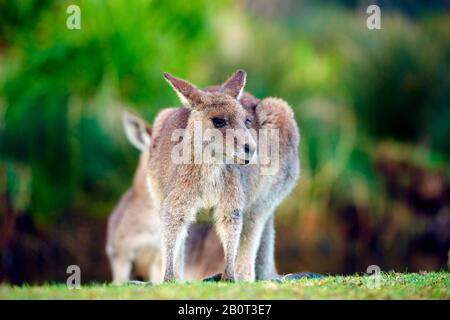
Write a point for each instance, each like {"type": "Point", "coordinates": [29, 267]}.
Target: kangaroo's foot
{"type": "Point", "coordinates": [214, 278]}
{"type": "Point", "coordinates": [300, 275]}
{"type": "Point", "coordinates": [275, 278]}
{"type": "Point", "coordinates": [226, 278]}
{"type": "Point", "coordinates": [217, 278]}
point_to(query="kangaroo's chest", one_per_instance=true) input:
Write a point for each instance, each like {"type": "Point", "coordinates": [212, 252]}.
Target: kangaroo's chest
{"type": "Point", "coordinates": [212, 188]}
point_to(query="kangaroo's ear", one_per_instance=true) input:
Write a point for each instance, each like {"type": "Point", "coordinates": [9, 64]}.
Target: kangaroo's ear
{"type": "Point", "coordinates": [189, 94]}
{"type": "Point", "coordinates": [234, 86]}
{"type": "Point", "coordinates": [137, 130]}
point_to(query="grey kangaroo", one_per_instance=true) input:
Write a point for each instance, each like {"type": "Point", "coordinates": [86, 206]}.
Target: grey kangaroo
{"type": "Point", "coordinates": [243, 199]}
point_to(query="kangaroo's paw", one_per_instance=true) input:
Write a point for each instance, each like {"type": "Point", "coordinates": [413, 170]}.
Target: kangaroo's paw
{"type": "Point", "coordinates": [301, 275]}
{"type": "Point", "coordinates": [225, 278]}
{"type": "Point", "coordinates": [215, 278]}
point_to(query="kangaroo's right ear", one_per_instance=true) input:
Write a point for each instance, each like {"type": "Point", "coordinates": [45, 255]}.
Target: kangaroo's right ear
{"type": "Point", "coordinates": [234, 86]}
{"type": "Point", "coordinates": [189, 94]}
{"type": "Point", "coordinates": [137, 130]}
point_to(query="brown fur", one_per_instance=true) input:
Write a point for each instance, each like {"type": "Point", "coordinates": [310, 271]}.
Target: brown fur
{"type": "Point", "coordinates": [243, 199]}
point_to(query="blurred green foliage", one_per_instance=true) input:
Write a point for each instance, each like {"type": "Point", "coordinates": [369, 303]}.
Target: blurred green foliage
{"type": "Point", "coordinates": [61, 91]}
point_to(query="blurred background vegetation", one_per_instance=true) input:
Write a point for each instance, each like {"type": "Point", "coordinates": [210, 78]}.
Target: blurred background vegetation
{"type": "Point", "coordinates": [373, 108]}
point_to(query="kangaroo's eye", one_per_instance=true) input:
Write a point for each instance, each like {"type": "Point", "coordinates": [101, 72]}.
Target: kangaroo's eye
{"type": "Point", "coordinates": [248, 123]}
{"type": "Point", "coordinates": [218, 122]}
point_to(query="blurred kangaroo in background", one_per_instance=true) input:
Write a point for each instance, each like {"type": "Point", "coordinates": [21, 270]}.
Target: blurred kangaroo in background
{"type": "Point", "coordinates": [242, 198]}
{"type": "Point", "coordinates": [134, 232]}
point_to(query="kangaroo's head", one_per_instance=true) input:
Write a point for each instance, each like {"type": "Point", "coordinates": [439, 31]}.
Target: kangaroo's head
{"type": "Point", "coordinates": [223, 120]}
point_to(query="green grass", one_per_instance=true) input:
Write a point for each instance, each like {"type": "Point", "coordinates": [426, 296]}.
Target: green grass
{"type": "Point", "coordinates": [433, 285]}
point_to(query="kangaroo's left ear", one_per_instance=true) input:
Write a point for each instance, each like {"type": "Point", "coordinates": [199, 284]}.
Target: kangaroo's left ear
{"type": "Point", "coordinates": [189, 94]}
{"type": "Point", "coordinates": [234, 86]}
{"type": "Point", "coordinates": [137, 130]}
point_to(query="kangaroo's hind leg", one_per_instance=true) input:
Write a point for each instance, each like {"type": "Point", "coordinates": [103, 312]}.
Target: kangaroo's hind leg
{"type": "Point", "coordinates": [121, 267]}
{"type": "Point", "coordinates": [254, 222]}
{"type": "Point", "coordinates": [155, 271]}
{"type": "Point", "coordinates": [265, 257]}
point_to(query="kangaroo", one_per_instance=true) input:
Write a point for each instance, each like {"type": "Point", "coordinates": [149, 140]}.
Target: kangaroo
{"type": "Point", "coordinates": [242, 199]}
{"type": "Point", "coordinates": [257, 246]}
{"type": "Point", "coordinates": [259, 230]}
{"type": "Point", "coordinates": [133, 234]}
{"type": "Point", "coordinates": [182, 190]}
